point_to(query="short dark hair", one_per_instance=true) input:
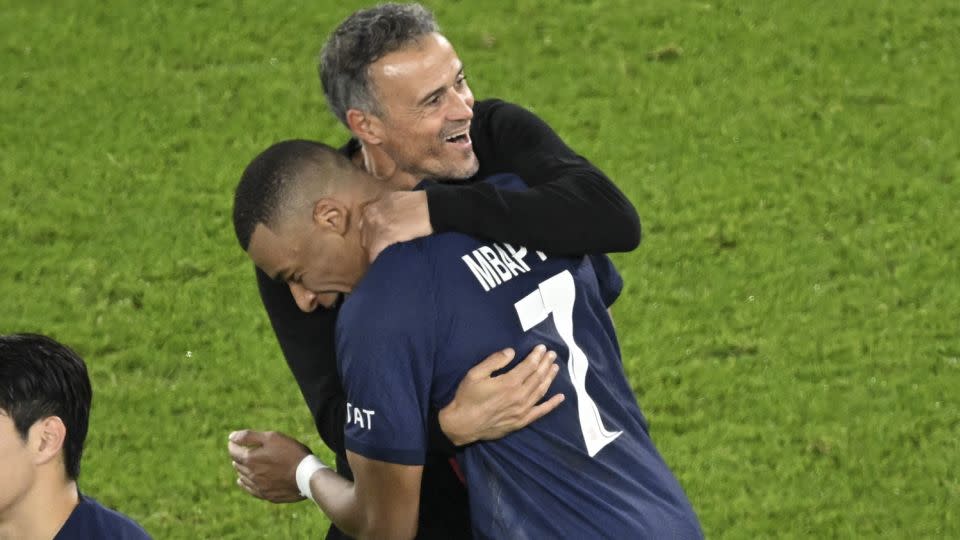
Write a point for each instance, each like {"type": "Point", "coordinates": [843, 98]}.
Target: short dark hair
{"type": "Point", "coordinates": [269, 179]}
{"type": "Point", "coordinates": [359, 41]}
{"type": "Point", "coordinates": [39, 378]}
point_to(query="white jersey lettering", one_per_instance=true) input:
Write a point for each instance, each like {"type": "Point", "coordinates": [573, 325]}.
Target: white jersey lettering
{"type": "Point", "coordinates": [495, 264]}
{"type": "Point", "coordinates": [360, 417]}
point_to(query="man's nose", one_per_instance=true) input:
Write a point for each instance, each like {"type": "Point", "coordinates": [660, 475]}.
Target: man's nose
{"type": "Point", "coordinates": [463, 106]}
{"type": "Point", "coordinates": [306, 299]}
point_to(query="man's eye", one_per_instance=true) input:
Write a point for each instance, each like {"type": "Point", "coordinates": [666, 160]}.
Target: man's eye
{"type": "Point", "coordinates": [434, 100]}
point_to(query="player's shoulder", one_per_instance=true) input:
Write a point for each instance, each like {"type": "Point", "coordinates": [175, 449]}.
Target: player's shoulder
{"type": "Point", "coordinates": [397, 265]}
{"type": "Point", "coordinates": [421, 267]}
{"type": "Point", "coordinates": [403, 263]}
{"type": "Point", "coordinates": [422, 275]}
{"type": "Point", "coordinates": [90, 519]}
{"type": "Point", "coordinates": [398, 282]}
{"type": "Point", "coordinates": [394, 305]}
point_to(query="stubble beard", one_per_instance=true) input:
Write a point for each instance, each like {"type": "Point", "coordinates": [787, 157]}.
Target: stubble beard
{"type": "Point", "coordinates": [467, 168]}
{"type": "Point", "coordinates": [463, 168]}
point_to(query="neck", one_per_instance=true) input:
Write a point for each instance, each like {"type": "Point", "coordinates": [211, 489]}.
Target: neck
{"type": "Point", "coordinates": [376, 162]}
{"type": "Point", "coordinates": [41, 511]}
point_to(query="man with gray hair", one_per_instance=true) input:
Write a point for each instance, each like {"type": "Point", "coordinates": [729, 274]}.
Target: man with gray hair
{"type": "Point", "coordinates": [398, 85]}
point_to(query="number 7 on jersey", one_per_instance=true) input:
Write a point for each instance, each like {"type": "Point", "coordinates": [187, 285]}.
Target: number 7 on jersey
{"type": "Point", "coordinates": [556, 296]}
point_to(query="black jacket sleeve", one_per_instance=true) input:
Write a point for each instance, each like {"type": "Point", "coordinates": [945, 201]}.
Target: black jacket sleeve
{"type": "Point", "coordinates": [570, 208]}
{"type": "Point", "coordinates": [307, 341]}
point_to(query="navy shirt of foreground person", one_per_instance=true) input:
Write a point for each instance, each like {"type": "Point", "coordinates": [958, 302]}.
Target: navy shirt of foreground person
{"type": "Point", "coordinates": [92, 521]}
{"type": "Point", "coordinates": [587, 470]}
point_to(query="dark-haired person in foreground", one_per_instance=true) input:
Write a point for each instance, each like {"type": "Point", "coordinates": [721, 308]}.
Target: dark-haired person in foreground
{"type": "Point", "coordinates": [400, 88]}
{"type": "Point", "coordinates": [413, 324]}
{"type": "Point", "coordinates": [45, 399]}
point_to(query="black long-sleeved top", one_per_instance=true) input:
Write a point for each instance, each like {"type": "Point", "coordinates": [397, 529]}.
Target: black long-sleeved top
{"type": "Point", "coordinates": [570, 208]}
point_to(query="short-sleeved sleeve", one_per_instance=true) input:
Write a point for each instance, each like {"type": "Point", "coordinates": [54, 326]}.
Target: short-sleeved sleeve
{"type": "Point", "coordinates": [385, 351]}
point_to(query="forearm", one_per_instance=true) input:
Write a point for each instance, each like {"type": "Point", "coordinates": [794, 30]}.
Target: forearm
{"type": "Point", "coordinates": [571, 206]}
{"type": "Point", "coordinates": [337, 498]}
{"type": "Point", "coordinates": [579, 212]}
{"type": "Point", "coordinates": [382, 503]}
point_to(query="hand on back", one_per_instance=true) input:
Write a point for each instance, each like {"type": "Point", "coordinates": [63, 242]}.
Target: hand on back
{"type": "Point", "coordinates": [487, 407]}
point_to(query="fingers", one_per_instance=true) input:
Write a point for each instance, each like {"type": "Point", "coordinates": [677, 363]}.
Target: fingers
{"type": "Point", "coordinates": [242, 444]}
{"type": "Point", "coordinates": [540, 382]}
{"type": "Point", "coordinates": [372, 223]}
{"type": "Point", "coordinates": [395, 217]}
{"type": "Point", "coordinates": [243, 470]}
{"type": "Point", "coordinates": [540, 410]}
{"type": "Point", "coordinates": [372, 235]}
{"type": "Point", "coordinates": [239, 454]}
{"type": "Point", "coordinates": [249, 487]}
{"type": "Point", "coordinates": [374, 248]}
{"type": "Point", "coordinates": [495, 361]}
{"type": "Point", "coordinates": [542, 369]}
{"type": "Point", "coordinates": [368, 226]}
{"type": "Point", "coordinates": [530, 365]}
{"type": "Point", "coordinates": [247, 437]}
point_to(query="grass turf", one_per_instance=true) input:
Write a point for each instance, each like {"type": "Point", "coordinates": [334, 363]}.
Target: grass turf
{"type": "Point", "coordinates": [789, 322]}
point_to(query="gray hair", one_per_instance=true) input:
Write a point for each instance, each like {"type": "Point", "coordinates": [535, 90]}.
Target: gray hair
{"type": "Point", "coordinates": [363, 38]}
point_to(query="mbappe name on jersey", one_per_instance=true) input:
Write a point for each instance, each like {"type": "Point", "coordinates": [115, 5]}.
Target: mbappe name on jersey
{"type": "Point", "coordinates": [498, 263]}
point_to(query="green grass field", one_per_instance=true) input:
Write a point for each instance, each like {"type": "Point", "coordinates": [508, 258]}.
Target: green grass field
{"type": "Point", "coordinates": [790, 322]}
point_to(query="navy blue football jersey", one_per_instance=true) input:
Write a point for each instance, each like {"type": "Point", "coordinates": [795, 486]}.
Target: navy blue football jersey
{"type": "Point", "coordinates": [90, 520]}
{"type": "Point", "coordinates": [429, 310]}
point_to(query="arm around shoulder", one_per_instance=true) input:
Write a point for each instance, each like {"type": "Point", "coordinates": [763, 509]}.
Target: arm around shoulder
{"type": "Point", "coordinates": [572, 207]}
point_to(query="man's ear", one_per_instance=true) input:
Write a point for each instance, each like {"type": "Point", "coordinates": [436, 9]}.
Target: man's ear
{"type": "Point", "coordinates": [365, 126]}
{"type": "Point", "coordinates": [47, 436]}
{"type": "Point", "coordinates": [332, 214]}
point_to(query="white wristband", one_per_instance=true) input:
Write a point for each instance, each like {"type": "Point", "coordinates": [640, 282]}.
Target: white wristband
{"type": "Point", "coordinates": [305, 470]}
